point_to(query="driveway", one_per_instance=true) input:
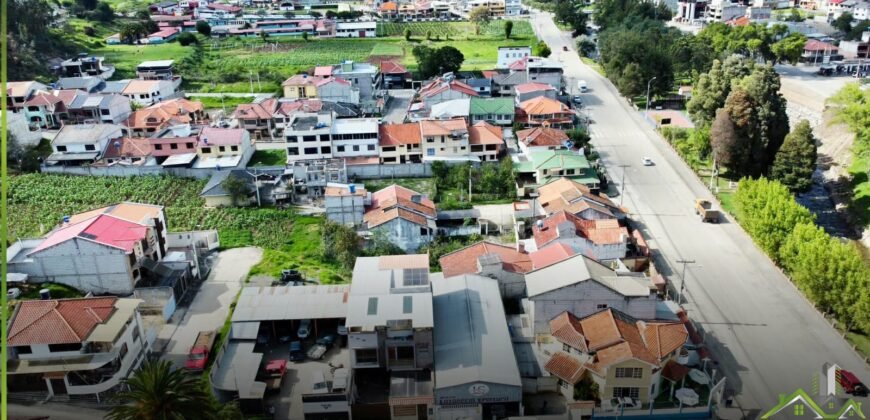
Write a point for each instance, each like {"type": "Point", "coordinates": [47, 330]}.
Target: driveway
{"type": "Point", "coordinates": [765, 336]}
{"type": "Point", "coordinates": [211, 305]}
{"type": "Point", "coordinates": [397, 108]}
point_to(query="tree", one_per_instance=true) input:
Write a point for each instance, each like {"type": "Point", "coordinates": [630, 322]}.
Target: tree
{"type": "Point", "coordinates": [263, 34]}
{"type": "Point", "coordinates": [316, 14]}
{"type": "Point", "coordinates": [437, 61]}
{"type": "Point", "coordinates": [843, 23]}
{"type": "Point", "coordinates": [768, 212]}
{"type": "Point", "coordinates": [508, 28]}
{"type": "Point", "coordinates": [339, 243]}
{"type": "Point", "coordinates": [790, 48]}
{"type": "Point", "coordinates": [770, 120]}
{"type": "Point", "coordinates": [237, 188]}
{"type": "Point", "coordinates": [585, 46]}
{"type": "Point", "coordinates": [187, 38]}
{"type": "Point", "coordinates": [794, 16]}
{"type": "Point", "coordinates": [103, 12]}
{"type": "Point", "coordinates": [87, 4]}
{"type": "Point", "coordinates": [157, 391]}
{"type": "Point", "coordinates": [796, 159]}
{"type": "Point", "coordinates": [407, 34]}
{"type": "Point", "coordinates": [634, 53]}
{"type": "Point", "coordinates": [479, 16]}
{"type": "Point", "coordinates": [428, 35]}
{"type": "Point", "coordinates": [541, 49]}
{"type": "Point", "coordinates": [714, 87]}
{"type": "Point", "coordinates": [89, 31]}
{"type": "Point", "coordinates": [727, 146]}
{"type": "Point", "coordinates": [578, 136]}
{"type": "Point", "coordinates": [569, 13]}
{"type": "Point", "coordinates": [203, 27]}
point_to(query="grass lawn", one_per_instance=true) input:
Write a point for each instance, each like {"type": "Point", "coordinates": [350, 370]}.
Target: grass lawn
{"type": "Point", "coordinates": [268, 158]}
{"type": "Point", "coordinates": [593, 65]}
{"type": "Point", "coordinates": [215, 103]}
{"type": "Point", "coordinates": [303, 254]}
{"type": "Point", "coordinates": [125, 58]}
{"type": "Point", "coordinates": [244, 86]}
{"type": "Point", "coordinates": [58, 291]}
{"type": "Point", "coordinates": [861, 341]}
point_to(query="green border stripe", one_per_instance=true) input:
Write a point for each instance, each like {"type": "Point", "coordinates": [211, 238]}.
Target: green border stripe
{"type": "Point", "coordinates": [4, 186]}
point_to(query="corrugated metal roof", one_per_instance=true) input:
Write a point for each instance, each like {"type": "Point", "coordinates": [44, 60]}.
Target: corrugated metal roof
{"type": "Point", "coordinates": [291, 303]}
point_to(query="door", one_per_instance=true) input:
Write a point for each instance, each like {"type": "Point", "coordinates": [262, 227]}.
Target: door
{"type": "Point", "coordinates": [362, 34]}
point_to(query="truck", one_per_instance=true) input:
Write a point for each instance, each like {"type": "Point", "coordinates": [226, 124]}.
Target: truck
{"type": "Point", "coordinates": [704, 208]}
{"type": "Point", "coordinates": [273, 373]}
{"type": "Point", "coordinates": [198, 355]}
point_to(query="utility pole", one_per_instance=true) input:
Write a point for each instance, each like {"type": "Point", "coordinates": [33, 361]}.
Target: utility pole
{"type": "Point", "coordinates": [713, 175]}
{"type": "Point", "coordinates": [622, 184]}
{"type": "Point", "coordinates": [683, 278]}
{"type": "Point", "coordinates": [259, 86]}
{"type": "Point", "coordinates": [648, 84]}
{"type": "Point", "coordinates": [251, 78]}
{"type": "Point", "coordinates": [256, 185]}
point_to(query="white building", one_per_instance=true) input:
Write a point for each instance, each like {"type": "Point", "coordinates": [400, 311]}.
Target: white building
{"type": "Point", "coordinates": [16, 124]}
{"type": "Point", "coordinates": [307, 136]}
{"type": "Point", "coordinates": [354, 137]}
{"type": "Point", "coordinates": [513, 7]}
{"type": "Point", "coordinates": [82, 143]}
{"type": "Point", "coordinates": [356, 29]}
{"type": "Point", "coordinates": [508, 55]}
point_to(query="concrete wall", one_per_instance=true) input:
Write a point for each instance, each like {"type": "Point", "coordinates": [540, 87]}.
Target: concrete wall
{"type": "Point", "coordinates": [344, 209]}
{"type": "Point", "coordinates": [158, 300]}
{"type": "Point", "coordinates": [642, 383]}
{"type": "Point", "coordinates": [600, 252]}
{"type": "Point", "coordinates": [582, 299]}
{"type": "Point", "coordinates": [375, 171]}
{"type": "Point", "coordinates": [449, 396]}
{"type": "Point", "coordinates": [404, 234]}
{"type": "Point", "coordinates": [81, 264]}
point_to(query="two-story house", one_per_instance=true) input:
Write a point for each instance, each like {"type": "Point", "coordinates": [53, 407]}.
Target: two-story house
{"type": "Point", "coordinates": [485, 141]}
{"type": "Point", "coordinates": [258, 118]}
{"type": "Point", "coordinates": [540, 70]}
{"type": "Point", "coordinates": [575, 198]}
{"type": "Point", "coordinates": [72, 347]}
{"type": "Point", "coordinates": [583, 286]}
{"type": "Point", "coordinates": [365, 78]}
{"type": "Point", "coordinates": [327, 88]}
{"type": "Point", "coordinates": [405, 217]}
{"type": "Point", "coordinates": [355, 137]}
{"type": "Point", "coordinates": [17, 93]}
{"type": "Point", "coordinates": [601, 239]}
{"type": "Point", "coordinates": [443, 89]}
{"type": "Point", "coordinates": [107, 109]}
{"type": "Point", "coordinates": [45, 110]}
{"type": "Point", "coordinates": [504, 263]}
{"type": "Point", "coordinates": [128, 151]}
{"type": "Point", "coordinates": [175, 146]}
{"type": "Point", "coordinates": [395, 75]}
{"type": "Point", "coordinates": [542, 167]}
{"type": "Point", "coordinates": [223, 148]}
{"type": "Point", "coordinates": [525, 91]}
{"type": "Point", "coordinates": [536, 139]}
{"type": "Point", "coordinates": [476, 372]}
{"type": "Point", "coordinates": [509, 55]}
{"type": "Point", "coordinates": [148, 92]}
{"type": "Point", "coordinates": [82, 143]}
{"type": "Point", "coordinates": [152, 119]}
{"type": "Point", "coordinates": [307, 136]}
{"type": "Point", "coordinates": [400, 143]}
{"type": "Point", "coordinates": [444, 138]}
{"type": "Point", "coordinates": [498, 111]}
{"type": "Point", "coordinates": [345, 203]}
{"type": "Point", "coordinates": [159, 70]}
{"type": "Point", "coordinates": [624, 356]}
{"type": "Point", "coordinates": [545, 111]}
{"type": "Point", "coordinates": [88, 84]}
{"type": "Point", "coordinates": [390, 337]}
{"type": "Point", "coordinates": [87, 66]}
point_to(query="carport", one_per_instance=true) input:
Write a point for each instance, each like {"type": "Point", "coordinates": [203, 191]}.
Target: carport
{"type": "Point", "coordinates": [280, 306]}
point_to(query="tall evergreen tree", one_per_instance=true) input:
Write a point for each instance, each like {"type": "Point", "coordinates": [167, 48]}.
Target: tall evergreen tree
{"type": "Point", "coordinates": [796, 160]}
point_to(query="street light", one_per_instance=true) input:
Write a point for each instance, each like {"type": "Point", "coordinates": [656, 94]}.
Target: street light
{"type": "Point", "coordinates": [647, 92]}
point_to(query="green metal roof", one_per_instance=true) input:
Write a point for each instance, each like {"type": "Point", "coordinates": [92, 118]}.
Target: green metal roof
{"type": "Point", "coordinates": [559, 159]}
{"type": "Point", "coordinates": [481, 106]}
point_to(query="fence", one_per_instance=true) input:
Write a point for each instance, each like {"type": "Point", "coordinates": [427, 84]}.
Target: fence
{"type": "Point", "coordinates": [378, 171]}
{"type": "Point", "coordinates": [131, 171]}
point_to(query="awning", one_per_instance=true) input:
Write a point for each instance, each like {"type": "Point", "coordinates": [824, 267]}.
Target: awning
{"type": "Point", "coordinates": [65, 157]}
{"type": "Point", "coordinates": [182, 159]}
{"type": "Point", "coordinates": [218, 162]}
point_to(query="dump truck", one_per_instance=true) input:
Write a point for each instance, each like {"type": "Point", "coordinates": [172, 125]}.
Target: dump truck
{"type": "Point", "coordinates": [273, 373]}
{"type": "Point", "coordinates": [704, 208]}
{"type": "Point", "coordinates": [198, 355]}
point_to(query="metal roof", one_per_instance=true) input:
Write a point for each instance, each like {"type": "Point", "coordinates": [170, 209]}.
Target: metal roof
{"type": "Point", "coordinates": [291, 303]}
{"type": "Point", "coordinates": [472, 342]}
{"type": "Point", "coordinates": [244, 330]}
{"type": "Point", "coordinates": [180, 159]}
{"type": "Point", "coordinates": [238, 369]}
{"type": "Point", "coordinates": [384, 289]}
{"type": "Point", "coordinates": [580, 268]}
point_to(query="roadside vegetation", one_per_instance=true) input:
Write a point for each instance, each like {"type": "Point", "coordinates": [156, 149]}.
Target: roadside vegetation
{"type": "Point", "coordinates": [853, 109]}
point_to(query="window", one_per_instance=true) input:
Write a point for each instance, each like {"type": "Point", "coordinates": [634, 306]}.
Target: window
{"type": "Point", "coordinates": [601, 306]}
{"type": "Point", "coordinates": [339, 148]}
{"type": "Point", "coordinates": [430, 152]}
{"type": "Point", "coordinates": [310, 151]}
{"type": "Point", "coordinates": [64, 347]}
{"type": "Point", "coordinates": [390, 160]}
{"type": "Point", "coordinates": [324, 137]}
{"type": "Point", "coordinates": [293, 151]}
{"type": "Point", "coordinates": [23, 349]}
{"type": "Point", "coordinates": [356, 148]}
{"type": "Point", "coordinates": [629, 373]}
{"type": "Point", "coordinates": [430, 140]}
{"type": "Point", "coordinates": [626, 392]}
{"type": "Point", "coordinates": [123, 351]}
{"type": "Point", "coordinates": [61, 148]}
{"type": "Point", "coordinates": [104, 112]}
{"type": "Point", "coordinates": [135, 334]}
{"type": "Point", "coordinates": [404, 411]}
{"type": "Point", "coordinates": [174, 146]}
{"type": "Point", "coordinates": [309, 138]}
{"type": "Point", "coordinates": [292, 139]}
{"type": "Point", "coordinates": [366, 356]}
{"type": "Point", "coordinates": [325, 150]}
{"type": "Point", "coordinates": [222, 148]}
{"type": "Point", "coordinates": [400, 353]}
{"type": "Point", "coordinates": [371, 147]}
{"type": "Point", "coordinates": [566, 348]}
{"type": "Point", "coordinates": [188, 145]}
{"type": "Point", "coordinates": [389, 149]}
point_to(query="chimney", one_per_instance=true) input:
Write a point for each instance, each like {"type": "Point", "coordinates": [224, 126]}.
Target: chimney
{"type": "Point", "coordinates": [521, 247]}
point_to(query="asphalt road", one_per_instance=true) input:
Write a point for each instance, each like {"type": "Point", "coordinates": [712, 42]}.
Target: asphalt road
{"type": "Point", "coordinates": [765, 336]}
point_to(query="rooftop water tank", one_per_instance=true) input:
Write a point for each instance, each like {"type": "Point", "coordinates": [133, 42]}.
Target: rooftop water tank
{"type": "Point", "coordinates": [45, 294]}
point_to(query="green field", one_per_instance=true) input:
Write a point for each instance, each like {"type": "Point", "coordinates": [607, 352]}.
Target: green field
{"type": "Point", "coordinates": [268, 158]}
{"type": "Point", "coordinates": [229, 103]}
{"type": "Point", "coordinates": [125, 58]}
{"type": "Point", "coordinates": [455, 30]}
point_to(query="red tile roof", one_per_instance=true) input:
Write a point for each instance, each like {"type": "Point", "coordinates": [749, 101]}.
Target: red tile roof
{"type": "Point", "coordinates": [464, 261]}
{"type": "Point", "coordinates": [565, 194]}
{"type": "Point", "coordinates": [550, 255]}
{"type": "Point", "coordinates": [43, 99]}
{"type": "Point", "coordinates": [542, 136]}
{"type": "Point", "coordinates": [439, 85]}
{"type": "Point", "coordinates": [489, 74]}
{"type": "Point", "coordinates": [601, 232]}
{"type": "Point", "coordinates": [816, 45]}
{"type": "Point", "coordinates": [323, 71]}
{"type": "Point", "coordinates": [565, 367]}
{"type": "Point", "coordinates": [58, 321]}
{"type": "Point", "coordinates": [129, 147]}
{"type": "Point", "coordinates": [674, 371]}
{"type": "Point", "coordinates": [533, 87]}
{"type": "Point", "coordinates": [103, 229]}
{"type": "Point", "coordinates": [398, 134]}
{"type": "Point", "coordinates": [543, 105]}
{"type": "Point", "coordinates": [740, 21]}
{"type": "Point", "coordinates": [397, 202]}
{"type": "Point", "coordinates": [566, 328]}
{"type": "Point", "coordinates": [261, 111]}
{"type": "Point", "coordinates": [485, 133]}
{"type": "Point", "coordinates": [442, 127]}
{"type": "Point", "coordinates": [392, 67]}
{"type": "Point", "coordinates": [221, 136]}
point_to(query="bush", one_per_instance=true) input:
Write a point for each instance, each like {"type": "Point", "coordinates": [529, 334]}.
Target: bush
{"type": "Point", "coordinates": [187, 38]}
{"type": "Point", "coordinates": [768, 212]}
{"type": "Point", "coordinates": [89, 31]}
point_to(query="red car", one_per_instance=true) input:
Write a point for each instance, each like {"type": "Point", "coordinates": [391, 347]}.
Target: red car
{"type": "Point", "coordinates": [851, 384]}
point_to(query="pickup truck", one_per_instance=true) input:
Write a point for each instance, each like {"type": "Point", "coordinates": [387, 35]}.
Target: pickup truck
{"type": "Point", "coordinates": [704, 208]}
{"type": "Point", "coordinates": [198, 355]}
{"type": "Point", "coordinates": [321, 346]}
{"type": "Point", "coordinates": [273, 373]}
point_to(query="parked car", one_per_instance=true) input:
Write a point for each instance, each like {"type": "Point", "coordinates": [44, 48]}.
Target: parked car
{"type": "Point", "coordinates": [304, 329]}
{"type": "Point", "coordinates": [581, 84]}
{"type": "Point", "coordinates": [647, 161]}
{"type": "Point", "coordinates": [263, 337]}
{"type": "Point", "coordinates": [342, 328]}
{"type": "Point", "coordinates": [327, 340]}
{"type": "Point", "coordinates": [197, 356]}
{"type": "Point", "coordinates": [297, 354]}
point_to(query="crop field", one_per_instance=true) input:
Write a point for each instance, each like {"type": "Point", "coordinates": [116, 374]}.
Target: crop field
{"type": "Point", "coordinates": [37, 203]}
{"type": "Point", "coordinates": [455, 30]}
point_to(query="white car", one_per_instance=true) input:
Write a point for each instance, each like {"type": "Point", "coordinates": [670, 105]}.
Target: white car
{"type": "Point", "coordinates": [342, 328]}
{"type": "Point", "coordinates": [304, 328]}
{"type": "Point", "coordinates": [647, 161]}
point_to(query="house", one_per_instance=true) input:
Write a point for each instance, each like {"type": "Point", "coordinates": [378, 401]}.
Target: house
{"type": "Point", "coordinates": [88, 84]}
{"type": "Point", "coordinates": [364, 77]}
{"type": "Point", "coordinates": [498, 111]}
{"type": "Point", "coordinates": [345, 203]}
{"type": "Point", "coordinates": [444, 89]}
{"type": "Point", "coordinates": [149, 215]}
{"type": "Point", "coordinates": [548, 164]}
{"type": "Point", "coordinates": [400, 143]}
{"type": "Point", "coordinates": [114, 39]}
{"type": "Point", "coordinates": [153, 119]}
{"type": "Point", "coordinates": [816, 51]}
{"type": "Point", "coordinates": [395, 75]}
{"type": "Point", "coordinates": [175, 146]}
{"type": "Point", "coordinates": [17, 93]}
{"type": "Point", "coordinates": [16, 124]}
{"type": "Point", "coordinates": [600, 239]}
{"type": "Point", "coordinates": [168, 7]}
{"type": "Point", "coordinates": [356, 29]}
{"type": "Point", "coordinates": [624, 356]}
{"type": "Point", "coordinates": [107, 109]}
{"type": "Point", "coordinates": [223, 148]}
{"type": "Point", "coordinates": [390, 337]}
{"type": "Point", "coordinates": [102, 254]}
{"type": "Point", "coordinates": [543, 110]}
{"type": "Point", "coordinates": [504, 84]}
{"type": "Point", "coordinates": [45, 110]}
{"type": "Point", "coordinates": [540, 70]}
{"type": "Point", "coordinates": [685, 92]}
{"type": "Point", "coordinates": [496, 7]}
{"type": "Point", "coordinates": [537, 139]}
{"type": "Point", "coordinates": [525, 91]}
{"type": "Point", "coordinates": [723, 10]}
{"type": "Point", "coordinates": [476, 372]}
{"type": "Point", "coordinates": [506, 264]}
{"type": "Point", "coordinates": [509, 55]}
{"type": "Point", "coordinates": [583, 286]}
{"type": "Point", "coordinates": [224, 8]}
{"type": "Point", "coordinates": [257, 118]}
{"type": "Point", "coordinates": [157, 70]}
{"type": "Point", "coordinates": [513, 7]}
{"type": "Point", "coordinates": [405, 217]}
{"type": "Point", "coordinates": [86, 66]}
{"type": "Point", "coordinates": [444, 138]}
{"type": "Point", "coordinates": [454, 108]}
{"type": "Point", "coordinates": [485, 141]}
{"type": "Point", "coordinates": [129, 151]}
{"type": "Point", "coordinates": [566, 194]}
{"type": "Point", "coordinates": [388, 9]}
{"type": "Point", "coordinates": [164, 35]}
{"type": "Point", "coordinates": [302, 86]}
{"type": "Point", "coordinates": [215, 195]}
{"type": "Point", "coordinates": [283, 27]}
{"type": "Point", "coordinates": [82, 144]}
{"type": "Point", "coordinates": [858, 48]}
{"type": "Point", "coordinates": [355, 137]}
{"type": "Point", "coordinates": [75, 347]}
{"type": "Point", "coordinates": [307, 136]}
{"type": "Point", "coordinates": [311, 176]}
{"type": "Point", "coordinates": [482, 86]}
{"type": "Point", "coordinates": [148, 92]}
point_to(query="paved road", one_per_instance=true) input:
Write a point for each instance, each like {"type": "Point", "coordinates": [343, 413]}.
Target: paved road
{"type": "Point", "coordinates": [210, 306]}
{"type": "Point", "coordinates": [55, 411]}
{"type": "Point", "coordinates": [767, 338]}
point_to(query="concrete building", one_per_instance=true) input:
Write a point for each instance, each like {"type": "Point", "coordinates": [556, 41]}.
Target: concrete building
{"type": "Point", "coordinates": [311, 176]}
{"type": "Point", "coordinates": [476, 373]}
{"type": "Point", "coordinates": [543, 167]}
{"type": "Point", "coordinates": [584, 286]}
{"type": "Point", "coordinates": [444, 138]}
{"type": "Point", "coordinates": [454, 108]}
{"type": "Point", "coordinates": [508, 55]}
{"type": "Point", "coordinates": [87, 66]}
{"type": "Point", "coordinates": [723, 11]}
{"type": "Point", "coordinates": [544, 111]}
{"type": "Point", "coordinates": [577, 199]}
{"type": "Point", "coordinates": [506, 264]}
{"type": "Point", "coordinates": [444, 89]}
{"type": "Point", "coordinates": [406, 218]}
{"type": "Point", "coordinates": [223, 148]}
{"type": "Point", "coordinates": [364, 77]}
{"type": "Point", "coordinates": [82, 144]}
{"type": "Point", "coordinates": [356, 29]}
{"type": "Point", "coordinates": [858, 48]}
{"type": "Point", "coordinates": [327, 88]}
{"type": "Point", "coordinates": [147, 121]}
{"type": "Point", "coordinates": [106, 109]}
{"type": "Point", "coordinates": [308, 136]}
{"type": "Point", "coordinates": [20, 92]}
{"type": "Point", "coordinates": [16, 123]}
{"type": "Point", "coordinates": [395, 75]}
{"type": "Point", "coordinates": [390, 337]}
{"type": "Point", "coordinates": [485, 141]}
{"type": "Point", "coordinates": [45, 110]}
{"type": "Point", "coordinates": [345, 203]}
{"type": "Point", "coordinates": [531, 90]}
{"type": "Point", "coordinates": [513, 7]}
{"type": "Point", "coordinates": [538, 139]}
{"type": "Point", "coordinates": [400, 143]}
{"type": "Point", "coordinates": [72, 347]}
{"type": "Point", "coordinates": [148, 92]}
{"type": "Point", "coordinates": [354, 137]}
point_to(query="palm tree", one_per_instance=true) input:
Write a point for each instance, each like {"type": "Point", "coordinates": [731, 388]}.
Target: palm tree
{"type": "Point", "coordinates": [156, 391]}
